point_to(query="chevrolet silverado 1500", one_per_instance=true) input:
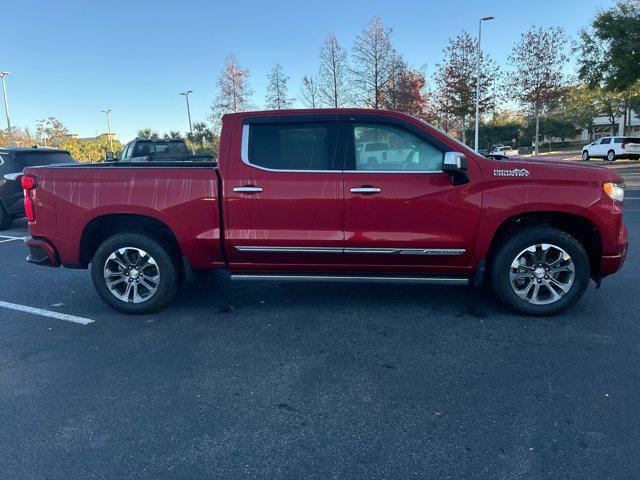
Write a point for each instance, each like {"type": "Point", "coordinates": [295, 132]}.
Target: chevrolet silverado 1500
{"type": "Point", "coordinates": [293, 197]}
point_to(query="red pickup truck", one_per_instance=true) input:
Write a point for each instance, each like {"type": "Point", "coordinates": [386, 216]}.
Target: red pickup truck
{"type": "Point", "coordinates": [297, 195]}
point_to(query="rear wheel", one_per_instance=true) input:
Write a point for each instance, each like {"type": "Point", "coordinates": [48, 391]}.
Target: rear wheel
{"type": "Point", "coordinates": [585, 156]}
{"type": "Point", "coordinates": [5, 219]}
{"type": "Point", "coordinates": [134, 273]}
{"type": "Point", "coordinates": [611, 155]}
{"type": "Point", "coordinates": [540, 271]}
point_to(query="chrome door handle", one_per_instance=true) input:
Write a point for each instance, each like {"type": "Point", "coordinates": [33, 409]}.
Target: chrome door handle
{"type": "Point", "coordinates": [366, 190]}
{"type": "Point", "coordinates": [247, 189]}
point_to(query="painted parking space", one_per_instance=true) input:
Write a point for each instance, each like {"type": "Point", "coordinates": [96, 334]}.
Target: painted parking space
{"type": "Point", "coordinates": [45, 313]}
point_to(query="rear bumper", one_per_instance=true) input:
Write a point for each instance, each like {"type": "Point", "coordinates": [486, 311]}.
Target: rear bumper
{"type": "Point", "coordinates": [41, 252]}
{"type": "Point", "coordinates": [610, 264]}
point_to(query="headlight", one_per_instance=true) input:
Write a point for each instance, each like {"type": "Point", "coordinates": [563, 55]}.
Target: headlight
{"type": "Point", "coordinates": [614, 190]}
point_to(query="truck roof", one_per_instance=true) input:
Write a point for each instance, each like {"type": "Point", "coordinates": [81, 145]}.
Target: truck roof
{"type": "Point", "coordinates": [318, 111]}
{"type": "Point", "coordinates": [34, 149]}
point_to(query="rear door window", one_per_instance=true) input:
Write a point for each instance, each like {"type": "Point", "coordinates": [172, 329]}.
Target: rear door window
{"type": "Point", "coordinates": [304, 146]}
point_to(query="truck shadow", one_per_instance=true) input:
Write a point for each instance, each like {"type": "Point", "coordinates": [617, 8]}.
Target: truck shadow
{"type": "Point", "coordinates": [215, 292]}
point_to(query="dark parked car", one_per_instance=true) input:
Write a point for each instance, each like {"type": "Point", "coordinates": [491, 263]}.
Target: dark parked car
{"type": "Point", "coordinates": [12, 161]}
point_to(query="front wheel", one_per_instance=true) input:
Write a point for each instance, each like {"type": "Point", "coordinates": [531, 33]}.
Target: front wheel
{"type": "Point", "coordinates": [585, 156]}
{"type": "Point", "coordinates": [540, 271]}
{"type": "Point", "coordinates": [134, 273]}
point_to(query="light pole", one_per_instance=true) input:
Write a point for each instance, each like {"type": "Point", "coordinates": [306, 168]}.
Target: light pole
{"type": "Point", "coordinates": [484, 19]}
{"type": "Point", "coordinates": [186, 96]}
{"type": "Point", "coordinates": [6, 104]}
{"type": "Point", "coordinates": [108, 111]}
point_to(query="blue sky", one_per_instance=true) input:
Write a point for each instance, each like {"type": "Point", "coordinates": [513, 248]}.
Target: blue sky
{"type": "Point", "coordinates": [72, 58]}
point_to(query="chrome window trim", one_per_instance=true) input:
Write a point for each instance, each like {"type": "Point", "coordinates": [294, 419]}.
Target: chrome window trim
{"type": "Point", "coordinates": [384, 251]}
{"type": "Point", "coordinates": [244, 155]}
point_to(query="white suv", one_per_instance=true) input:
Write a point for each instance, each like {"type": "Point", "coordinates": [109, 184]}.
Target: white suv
{"type": "Point", "coordinates": [611, 148]}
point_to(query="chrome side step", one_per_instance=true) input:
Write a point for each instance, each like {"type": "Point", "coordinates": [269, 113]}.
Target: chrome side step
{"type": "Point", "coordinates": [352, 278]}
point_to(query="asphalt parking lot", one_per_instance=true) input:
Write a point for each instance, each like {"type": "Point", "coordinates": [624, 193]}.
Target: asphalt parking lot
{"type": "Point", "coordinates": [296, 380]}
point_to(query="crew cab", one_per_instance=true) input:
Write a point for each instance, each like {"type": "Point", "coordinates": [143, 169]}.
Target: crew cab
{"type": "Point", "coordinates": [289, 199]}
{"type": "Point", "coordinates": [612, 148]}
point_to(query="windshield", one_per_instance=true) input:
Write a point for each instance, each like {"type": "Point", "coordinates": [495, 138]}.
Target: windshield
{"type": "Point", "coordinates": [464, 146]}
{"type": "Point", "coordinates": [32, 159]}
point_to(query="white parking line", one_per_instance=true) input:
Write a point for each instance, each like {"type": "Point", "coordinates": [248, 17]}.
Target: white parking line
{"type": "Point", "coordinates": [46, 313]}
{"type": "Point", "coordinates": [7, 238]}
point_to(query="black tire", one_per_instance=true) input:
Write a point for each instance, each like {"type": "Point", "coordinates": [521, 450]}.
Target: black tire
{"type": "Point", "coordinates": [165, 260]}
{"type": "Point", "coordinates": [509, 250]}
{"type": "Point", "coordinates": [5, 219]}
{"type": "Point", "coordinates": [585, 156]}
{"type": "Point", "coordinates": [611, 156]}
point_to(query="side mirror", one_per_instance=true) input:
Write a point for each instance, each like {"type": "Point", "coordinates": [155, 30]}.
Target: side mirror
{"type": "Point", "coordinates": [455, 165]}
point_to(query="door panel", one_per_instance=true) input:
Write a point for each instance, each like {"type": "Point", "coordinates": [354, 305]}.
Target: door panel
{"type": "Point", "coordinates": [276, 214]}
{"type": "Point", "coordinates": [417, 220]}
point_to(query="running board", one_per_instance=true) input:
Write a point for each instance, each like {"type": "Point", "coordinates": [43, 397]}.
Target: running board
{"type": "Point", "coordinates": [352, 278]}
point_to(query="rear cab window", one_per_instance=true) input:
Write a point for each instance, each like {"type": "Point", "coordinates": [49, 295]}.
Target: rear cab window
{"type": "Point", "coordinates": [143, 149]}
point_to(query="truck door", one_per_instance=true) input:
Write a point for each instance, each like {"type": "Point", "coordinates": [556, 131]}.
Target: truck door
{"type": "Point", "coordinates": [284, 200]}
{"type": "Point", "coordinates": [405, 214]}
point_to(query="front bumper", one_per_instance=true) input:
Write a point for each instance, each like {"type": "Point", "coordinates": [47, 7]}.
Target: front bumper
{"type": "Point", "coordinates": [610, 264]}
{"type": "Point", "coordinates": [41, 252]}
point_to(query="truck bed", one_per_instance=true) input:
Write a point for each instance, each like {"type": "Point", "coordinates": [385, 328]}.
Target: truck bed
{"type": "Point", "coordinates": [72, 200]}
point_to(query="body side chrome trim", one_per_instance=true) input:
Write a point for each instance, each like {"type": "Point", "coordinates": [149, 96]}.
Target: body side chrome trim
{"type": "Point", "coordinates": [291, 249]}
{"type": "Point", "coordinates": [385, 251]}
{"type": "Point", "coordinates": [408, 251]}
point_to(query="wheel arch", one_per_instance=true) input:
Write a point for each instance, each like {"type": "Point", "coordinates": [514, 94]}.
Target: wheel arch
{"type": "Point", "coordinates": [583, 229]}
{"type": "Point", "coordinates": [104, 226]}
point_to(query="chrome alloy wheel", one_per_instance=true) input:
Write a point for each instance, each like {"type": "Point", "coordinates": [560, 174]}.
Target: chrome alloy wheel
{"type": "Point", "coordinates": [542, 274]}
{"type": "Point", "coordinates": [131, 275]}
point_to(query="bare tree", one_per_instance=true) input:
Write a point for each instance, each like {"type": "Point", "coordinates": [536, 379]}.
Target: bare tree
{"type": "Point", "coordinates": [456, 80]}
{"type": "Point", "coordinates": [373, 63]}
{"type": "Point", "coordinates": [333, 73]}
{"type": "Point", "coordinates": [277, 98]}
{"type": "Point", "coordinates": [397, 69]}
{"type": "Point", "coordinates": [309, 93]}
{"type": "Point", "coordinates": [537, 81]}
{"type": "Point", "coordinates": [234, 92]}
